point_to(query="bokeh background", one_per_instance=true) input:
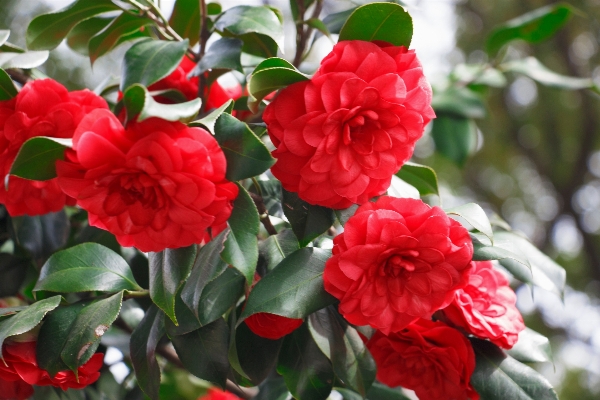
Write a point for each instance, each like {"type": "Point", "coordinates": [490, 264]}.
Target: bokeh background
{"type": "Point", "coordinates": [536, 163]}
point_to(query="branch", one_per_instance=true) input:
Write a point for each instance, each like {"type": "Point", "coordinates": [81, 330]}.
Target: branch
{"type": "Point", "coordinates": [204, 35]}
{"type": "Point", "coordinates": [264, 214]}
{"type": "Point", "coordinates": [18, 76]}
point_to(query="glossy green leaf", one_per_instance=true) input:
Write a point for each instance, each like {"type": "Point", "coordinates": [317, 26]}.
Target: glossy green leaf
{"type": "Point", "coordinates": [380, 391]}
{"type": "Point", "coordinates": [319, 25]}
{"type": "Point", "coordinates": [41, 235]}
{"type": "Point", "coordinates": [534, 27]}
{"type": "Point", "coordinates": [352, 362]}
{"type": "Point", "coordinates": [45, 32]}
{"type": "Point", "coordinates": [270, 191]}
{"type": "Point", "coordinates": [307, 221]}
{"type": "Point", "coordinates": [214, 9]}
{"type": "Point", "coordinates": [474, 215]}
{"type": "Point", "coordinates": [399, 188]}
{"type": "Point", "coordinates": [7, 87]}
{"type": "Point", "coordinates": [268, 76]}
{"type": "Point", "coordinates": [246, 154]}
{"type": "Point", "coordinates": [27, 60]}
{"type": "Point", "coordinates": [168, 270]}
{"type": "Point", "coordinates": [223, 54]}
{"type": "Point", "coordinates": [454, 137]}
{"type": "Point", "coordinates": [531, 347]}
{"type": "Point", "coordinates": [335, 21]}
{"type": "Point", "coordinates": [8, 311]}
{"type": "Point", "coordinates": [203, 352]}
{"type": "Point", "coordinates": [219, 295]}
{"type": "Point", "coordinates": [308, 374]}
{"type": "Point", "coordinates": [90, 325]}
{"type": "Point", "coordinates": [37, 158]}
{"type": "Point", "coordinates": [241, 246]}
{"type": "Point", "coordinates": [27, 319]}
{"type": "Point", "coordinates": [277, 247]}
{"type": "Point", "coordinates": [124, 26]}
{"type": "Point", "coordinates": [459, 102]}
{"type": "Point", "coordinates": [209, 120]}
{"type": "Point", "coordinates": [387, 22]}
{"type": "Point", "coordinates": [478, 74]}
{"type": "Point", "coordinates": [534, 69]}
{"type": "Point", "coordinates": [421, 177]}
{"type": "Point", "coordinates": [84, 268]}
{"type": "Point", "coordinates": [241, 20]}
{"type": "Point", "coordinates": [151, 60]}
{"type": "Point", "coordinates": [144, 341]}
{"type": "Point", "coordinates": [498, 376]}
{"type": "Point", "coordinates": [81, 34]}
{"type": "Point", "coordinates": [185, 19]}
{"type": "Point", "coordinates": [272, 388]}
{"type": "Point", "coordinates": [344, 215]}
{"type": "Point", "coordinates": [257, 44]}
{"type": "Point", "coordinates": [13, 270]}
{"type": "Point", "coordinates": [4, 35]}
{"type": "Point", "coordinates": [294, 288]}
{"type": "Point", "coordinates": [138, 101]}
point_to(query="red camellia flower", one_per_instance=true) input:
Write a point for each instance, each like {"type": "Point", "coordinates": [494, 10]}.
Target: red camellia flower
{"type": "Point", "coordinates": [42, 108]}
{"type": "Point", "coordinates": [396, 261]}
{"type": "Point", "coordinates": [486, 307]}
{"type": "Point", "coordinates": [20, 370]}
{"type": "Point", "coordinates": [218, 394]}
{"type": "Point", "coordinates": [431, 358]}
{"type": "Point", "coordinates": [154, 185]}
{"type": "Point", "coordinates": [342, 135]}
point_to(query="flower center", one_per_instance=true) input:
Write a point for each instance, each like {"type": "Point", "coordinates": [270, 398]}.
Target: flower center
{"type": "Point", "coordinates": [132, 189]}
{"type": "Point", "coordinates": [396, 265]}
{"type": "Point", "coordinates": [359, 120]}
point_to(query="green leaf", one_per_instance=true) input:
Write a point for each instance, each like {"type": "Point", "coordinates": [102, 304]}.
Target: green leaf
{"type": "Point", "coordinates": [334, 22]}
{"type": "Point", "coordinates": [270, 191]}
{"type": "Point", "coordinates": [7, 87]}
{"type": "Point", "coordinates": [478, 74]}
{"type": "Point", "coordinates": [294, 288]}
{"type": "Point", "coordinates": [219, 295]}
{"type": "Point", "coordinates": [27, 60]}
{"type": "Point", "coordinates": [122, 27]}
{"type": "Point", "coordinates": [4, 35]}
{"type": "Point", "coordinates": [81, 34]}
{"type": "Point", "coordinates": [454, 137]}
{"type": "Point", "coordinates": [498, 376]}
{"type": "Point", "coordinates": [203, 352]}
{"type": "Point", "coordinates": [138, 101]}
{"type": "Point", "coordinates": [209, 120]}
{"type": "Point", "coordinates": [168, 271]}
{"type": "Point", "coordinates": [459, 102]}
{"type": "Point", "coordinates": [319, 25]}
{"type": "Point", "coordinates": [474, 215]}
{"type": "Point", "coordinates": [223, 54]}
{"type": "Point", "coordinates": [241, 20]}
{"type": "Point", "coordinates": [401, 189]}
{"type": "Point", "coordinates": [13, 270]}
{"type": "Point", "coordinates": [185, 19]}
{"type": "Point", "coordinates": [272, 388]}
{"type": "Point", "coordinates": [213, 9]}
{"type": "Point", "coordinates": [307, 221]}
{"type": "Point", "coordinates": [246, 154]}
{"type": "Point", "coordinates": [344, 215]}
{"type": "Point", "coordinates": [387, 22]}
{"type": "Point", "coordinates": [85, 333]}
{"type": "Point", "coordinates": [27, 319]}
{"type": "Point", "coordinates": [144, 341]}
{"type": "Point", "coordinates": [45, 32]}
{"type": "Point", "coordinates": [85, 268]}
{"type": "Point", "coordinates": [533, 27]}
{"type": "Point", "coordinates": [149, 61]}
{"type": "Point", "coordinates": [257, 44]}
{"type": "Point", "coordinates": [241, 246]}
{"type": "Point", "coordinates": [207, 266]}
{"type": "Point", "coordinates": [352, 362]}
{"type": "Point", "coordinates": [41, 235]}
{"type": "Point", "coordinates": [531, 347]}
{"type": "Point", "coordinates": [277, 247]}
{"type": "Point", "coordinates": [381, 392]}
{"type": "Point", "coordinates": [537, 71]}
{"type": "Point", "coordinates": [37, 158]}
{"type": "Point", "coordinates": [308, 374]}
{"type": "Point", "coordinates": [268, 76]}
{"type": "Point", "coordinates": [420, 176]}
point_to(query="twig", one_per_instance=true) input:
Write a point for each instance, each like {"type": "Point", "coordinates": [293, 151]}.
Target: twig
{"type": "Point", "coordinates": [18, 76]}
{"type": "Point", "coordinates": [204, 35]}
{"type": "Point", "coordinates": [264, 214]}
{"type": "Point", "coordinates": [303, 33]}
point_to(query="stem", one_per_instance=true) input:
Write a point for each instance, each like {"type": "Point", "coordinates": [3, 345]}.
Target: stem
{"type": "Point", "coordinates": [204, 35]}
{"type": "Point", "coordinates": [264, 214]}
{"type": "Point", "coordinates": [136, 294]}
{"type": "Point", "coordinates": [303, 33]}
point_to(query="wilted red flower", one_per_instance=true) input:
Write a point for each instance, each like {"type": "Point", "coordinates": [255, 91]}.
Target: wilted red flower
{"type": "Point", "coordinates": [396, 261]}
{"type": "Point", "coordinates": [218, 394]}
{"type": "Point", "coordinates": [20, 370]}
{"type": "Point", "coordinates": [342, 135]}
{"type": "Point", "coordinates": [154, 185]}
{"type": "Point", "coordinates": [486, 307]}
{"type": "Point", "coordinates": [431, 358]}
{"type": "Point", "coordinates": [42, 108]}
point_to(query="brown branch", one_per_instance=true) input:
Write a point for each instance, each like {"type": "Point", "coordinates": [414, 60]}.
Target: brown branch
{"type": "Point", "coordinates": [264, 214]}
{"type": "Point", "coordinates": [204, 35]}
{"type": "Point", "coordinates": [18, 75]}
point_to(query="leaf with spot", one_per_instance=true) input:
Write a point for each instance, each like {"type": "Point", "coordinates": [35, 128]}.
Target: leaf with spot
{"type": "Point", "coordinates": [308, 221]}
{"type": "Point", "coordinates": [36, 159]}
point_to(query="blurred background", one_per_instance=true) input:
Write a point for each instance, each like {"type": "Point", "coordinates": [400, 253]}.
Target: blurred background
{"type": "Point", "coordinates": [535, 161]}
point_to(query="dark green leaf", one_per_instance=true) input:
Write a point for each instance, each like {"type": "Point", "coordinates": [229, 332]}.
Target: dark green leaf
{"type": "Point", "coordinates": [421, 177]}
{"type": "Point", "coordinates": [8, 311]}
{"type": "Point", "coordinates": [144, 341]}
{"type": "Point", "coordinates": [270, 191]}
{"type": "Point", "coordinates": [246, 154]}
{"type": "Point", "coordinates": [86, 267]}
{"type": "Point", "coordinates": [134, 100]}
{"type": "Point", "coordinates": [81, 34]}
{"type": "Point", "coordinates": [387, 22]}
{"type": "Point", "coordinates": [37, 157]}
{"type": "Point", "coordinates": [294, 288]}
{"type": "Point", "coordinates": [241, 20]}
{"type": "Point", "coordinates": [498, 376]}
{"type": "Point", "coordinates": [219, 295]}
{"type": "Point", "coordinates": [318, 25]}
{"type": "Point", "coordinates": [7, 87]}
{"type": "Point", "coordinates": [534, 27]}
{"type": "Point", "coordinates": [208, 121]}
{"type": "Point", "coordinates": [151, 60]}
{"type": "Point", "coordinates": [459, 102]}
{"type": "Point", "coordinates": [335, 21]}
{"type": "Point", "coordinates": [277, 247]}
{"type": "Point", "coordinates": [138, 101]}
{"type": "Point", "coordinates": [272, 388]}
{"type": "Point", "coordinates": [27, 60]}
{"type": "Point", "coordinates": [213, 9]}
{"type": "Point", "coordinates": [454, 137]}
{"type": "Point", "coordinates": [257, 44]}
{"type": "Point", "coordinates": [185, 19]}
{"type": "Point", "coordinates": [474, 215]}
{"type": "Point", "coordinates": [203, 352]}
{"type": "Point", "coordinates": [307, 372]}
{"type": "Point", "coordinates": [12, 274]}
{"type": "Point", "coordinates": [478, 74]}
{"type": "Point", "coordinates": [510, 257]}
{"type": "Point", "coordinates": [381, 392]}
{"type": "Point", "coordinates": [41, 235]}
{"type": "Point", "coordinates": [224, 54]}
{"type": "Point", "coordinates": [531, 347]}
{"type": "Point", "coordinates": [168, 270]}
{"type": "Point", "coordinates": [352, 362]}
{"type": "Point", "coordinates": [27, 319]}
{"type": "Point", "coordinates": [537, 71]}
{"type": "Point", "coordinates": [344, 215]}
{"type": "Point", "coordinates": [270, 75]}
{"type": "Point", "coordinates": [307, 221]}
{"type": "Point", "coordinates": [45, 32]}
{"type": "Point", "coordinates": [241, 246]}
{"type": "Point", "coordinates": [122, 27]}
{"type": "Point", "coordinates": [100, 236]}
